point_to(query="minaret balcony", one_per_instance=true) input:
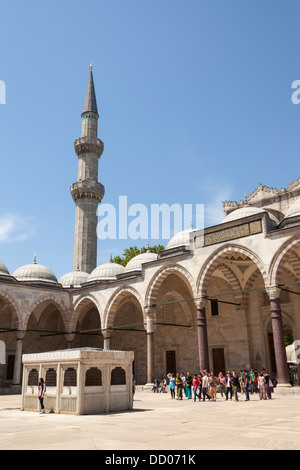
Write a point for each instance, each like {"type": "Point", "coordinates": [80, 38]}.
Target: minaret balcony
{"type": "Point", "coordinates": [89, 145]}
{"type": "Point", "coordinates": [87, 189]}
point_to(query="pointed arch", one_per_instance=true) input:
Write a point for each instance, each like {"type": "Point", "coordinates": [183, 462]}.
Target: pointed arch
{"type": "Point", "coordinates": [114, 302]}
{"type": "Point", "coordinates": [208, 268]}
{"type": "Point", "coordinates": [64, 311]}
{"type": "Point", "coordinates": [280, 258]}
{"type": "Point", "coordinates": [161, 275]}
{"type": "Point", "coordinates": [81, 304]}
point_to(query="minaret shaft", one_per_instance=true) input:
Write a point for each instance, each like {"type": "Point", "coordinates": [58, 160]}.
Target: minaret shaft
{"type": "Point", "coordinates": [87, 192]}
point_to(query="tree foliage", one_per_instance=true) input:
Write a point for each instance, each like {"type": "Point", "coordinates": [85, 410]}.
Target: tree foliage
{"type": "Point", "coordinates": [133, 251]}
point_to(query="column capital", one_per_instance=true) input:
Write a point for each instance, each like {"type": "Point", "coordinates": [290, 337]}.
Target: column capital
{"type": "Point", "coordinates": [106, 333]}
{"type": "Point", "coordinates": [69, 337]}
{"type": "Point", "coordinates": [273, 292]}
{"type": "Point", "coordinates": [201, 302]}
{"type": "Point", "coordinates": [20, 335]}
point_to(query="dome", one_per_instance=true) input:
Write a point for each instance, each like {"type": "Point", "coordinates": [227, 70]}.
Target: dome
{"type": "Point", "coordinates": [135, 264]}
{"type": "Point", "coordinates": [247, 211]}
{"type": "Point", "coordinates": [3, 270]}
{"type": "Point", "coordinates": [34, 272]}
{"type": "Point", "coordinates": [180, 239]}
{"type": "Point", "coordinates": [107, 271]}
{"type": "Point", "coordinates": [293, 210]}
{"type": "Point", "coordinates": [73, 279]}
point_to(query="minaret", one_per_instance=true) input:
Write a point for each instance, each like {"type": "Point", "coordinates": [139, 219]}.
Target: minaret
{"type": "Point", "coordinates": [87, 193]}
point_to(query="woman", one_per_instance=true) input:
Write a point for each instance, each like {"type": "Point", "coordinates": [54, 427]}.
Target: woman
{"type": "Point", "coordinates": [171, 385]}
{"type": "Point", "coordinates": [196, 383]}
{"type": "Point", "coordinates": [261, 386]}
{"type": "Point", "coordinates": [179, 385]}
{"type": "Point", "coordinates": [222, 382]}
{"type": "Point", "coordinates": [42, 390]}
{"type": "Point", "coordinates": [188, 385]}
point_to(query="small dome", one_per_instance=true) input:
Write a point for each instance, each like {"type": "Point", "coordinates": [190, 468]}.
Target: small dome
{"type": "Point", "coordinates": [107, 271]}
{"type": "Point", "coordinates": [34, 272]}
{"type": "Point", "coordinates": [3, 270]}
{"type": "Point", "coordinates": [293, 210]}
{"type": "Point", "coordinates": [180, 239]}
{"type": "Point", "coordinates": [74, 279]}
{"type": "Point", "coordinates": [135, 264]}
{"type": "Point", "coordinates": [246, 212]}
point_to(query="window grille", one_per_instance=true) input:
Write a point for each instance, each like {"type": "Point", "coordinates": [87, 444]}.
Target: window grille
{"type": "Point", "coordinates": [70, 378]}
{"type": "Point", "coordinates": [169, 313]}
{"type": "Point", "coordinates": [33, 378]}
{"type": "Point", "coordinates": [118, 376]}
{"type": "Point", "coordinates": [93, 377]}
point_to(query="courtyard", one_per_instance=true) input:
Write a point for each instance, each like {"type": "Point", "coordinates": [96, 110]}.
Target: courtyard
{"type": "Point", "coordinates": [158, 423]}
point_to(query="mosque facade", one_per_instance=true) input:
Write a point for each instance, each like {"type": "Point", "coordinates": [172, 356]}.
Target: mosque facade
{"type": "Point", "coordinates": [222, 298]}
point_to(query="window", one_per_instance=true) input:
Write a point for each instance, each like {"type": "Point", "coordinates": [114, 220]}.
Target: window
{"type": "Point", "coordinates": [214, 305]}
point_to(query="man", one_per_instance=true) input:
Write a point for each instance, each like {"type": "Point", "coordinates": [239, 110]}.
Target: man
{"type": "Point", "coordinates": [247, 384]}
{"type": "Point", "coordinates": [235, 385]}
{"type": "Point", "coordinates": [228, 390]}
{"type": "Point", "coordinates": [213, 386]}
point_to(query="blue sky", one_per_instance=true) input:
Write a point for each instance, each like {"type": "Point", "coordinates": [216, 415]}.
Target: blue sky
{"type": "Point", "coordinates": [194, 100]}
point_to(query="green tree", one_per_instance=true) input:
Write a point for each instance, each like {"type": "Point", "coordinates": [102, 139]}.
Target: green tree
{"type": "Point", "coordinates": [133, 251]}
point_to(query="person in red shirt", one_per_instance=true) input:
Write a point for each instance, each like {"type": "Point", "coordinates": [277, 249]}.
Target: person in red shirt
{"type": "Point", "coordinates": [196, 382]}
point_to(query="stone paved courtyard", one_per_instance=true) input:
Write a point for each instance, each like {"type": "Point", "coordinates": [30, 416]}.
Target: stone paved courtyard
{"type": "Point", "coordinates": [158, 423]}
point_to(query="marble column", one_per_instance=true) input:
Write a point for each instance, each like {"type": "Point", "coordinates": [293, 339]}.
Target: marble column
{"type": "Point", "coordinates": [18, 359]}
{"type": "Point", "coordinates": [278, 336]}
{"type": "Point", "coordinates": [202, 335]}
{"type": "Point", "coordinates": [150, 315]}
{"type": "Point", "coordinates": [106, 339]}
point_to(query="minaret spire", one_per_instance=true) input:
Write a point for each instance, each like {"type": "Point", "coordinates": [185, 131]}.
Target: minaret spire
{"type": "Point", "coordinates": [87, 192]}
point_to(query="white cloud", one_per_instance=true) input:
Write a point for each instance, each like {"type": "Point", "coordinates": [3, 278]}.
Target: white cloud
{"type": "Point", "coordinates": [14, 228]}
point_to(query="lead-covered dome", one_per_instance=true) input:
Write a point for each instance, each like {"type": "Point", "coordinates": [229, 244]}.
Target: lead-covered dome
{"type": "Point", "coordinates": [34, 272]}
{"type": "Point", "coordinates": [73, 279]}
{"type": "Point", "coordinates": [3, 270]}
{"type": "Point", "coordinates": [180, 239]}
{"type": "Point", "coordinates": [247, 211]}
{"type": "Point", "coordinates": [135, 264]}
{"type": "Point", "coordinates": [106, 272]}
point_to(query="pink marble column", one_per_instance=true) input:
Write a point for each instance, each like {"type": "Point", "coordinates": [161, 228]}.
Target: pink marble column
{"type": "Point", "coordinates": [278, 336]}
{"type": "Point", "coordinates": [202, 336]}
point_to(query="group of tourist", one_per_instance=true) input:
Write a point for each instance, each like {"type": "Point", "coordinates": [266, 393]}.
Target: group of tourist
{"type": "Point", "coordinates": [206, 385]}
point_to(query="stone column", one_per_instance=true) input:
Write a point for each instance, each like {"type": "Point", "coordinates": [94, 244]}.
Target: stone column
{"type": "Point", "coordinates": [106, 337]}
{"type": "Point", "coordinates": [150, 315]}
{"type": "Point", "coordinates": [18, 360]}
{"type": "Point", "coordinates": [202, 335]}
{"type": "Point", "coordinates": [278, 336]}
